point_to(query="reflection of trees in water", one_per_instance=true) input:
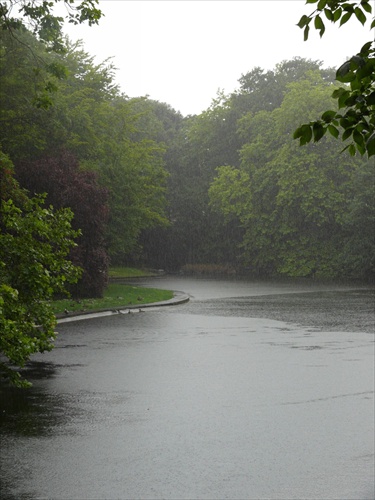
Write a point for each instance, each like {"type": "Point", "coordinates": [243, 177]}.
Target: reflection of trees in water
{"type": "Point", "coordinates": [6, 487]}
{"type": "Point", "coordinates": [29, 413]}
{"type": "Point", "coordinates": [34, 411]}
{"type": "Point", "coordinates": [25, 413]}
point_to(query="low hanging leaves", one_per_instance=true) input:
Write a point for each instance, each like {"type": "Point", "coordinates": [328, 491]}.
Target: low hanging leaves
{"type": "Point", "coordinates": [357, 96]}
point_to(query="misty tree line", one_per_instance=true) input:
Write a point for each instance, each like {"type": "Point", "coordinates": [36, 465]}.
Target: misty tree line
{"type": "Point", "coordinates": [147, 186]}
{"type": "Point", "coordinates": [242, 192]}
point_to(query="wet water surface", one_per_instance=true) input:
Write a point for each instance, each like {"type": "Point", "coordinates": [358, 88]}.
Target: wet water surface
{"type": "Point", "coordinates": [249, 391]}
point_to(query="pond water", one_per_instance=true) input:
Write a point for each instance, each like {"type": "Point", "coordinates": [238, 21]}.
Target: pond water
{"type": "Point", "coordinates": [252, 390]}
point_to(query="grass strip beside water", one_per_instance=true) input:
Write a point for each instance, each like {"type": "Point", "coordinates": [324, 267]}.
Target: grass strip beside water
{"type": "Point", "coordinates": [116, 296]}
{"type": "Point", "coordinates": [129, 272]}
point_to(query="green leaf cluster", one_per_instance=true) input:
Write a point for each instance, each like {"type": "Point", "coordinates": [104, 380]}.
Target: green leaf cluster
{"type": "Point", "coordinates": [334, 11]}
{"type": "Point", "coordinates": [357, 97]}
{"type": "Point", "coordinates": [38, 16]}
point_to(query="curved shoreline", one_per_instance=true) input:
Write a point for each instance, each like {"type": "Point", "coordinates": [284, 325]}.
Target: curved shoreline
{"type": "Point", "coordinates": [179, 298]}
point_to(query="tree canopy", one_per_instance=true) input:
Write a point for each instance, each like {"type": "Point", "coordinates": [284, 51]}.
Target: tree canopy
{"type": "Point", "coordinates": [295, 205]}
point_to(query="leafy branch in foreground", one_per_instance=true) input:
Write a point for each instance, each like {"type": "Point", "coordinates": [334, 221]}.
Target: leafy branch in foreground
{"type": "Point", "coordinates": [38, 16]}
{"type": "Point", "coordinates": [357, 97]}
{"type": "Point", "coordinates": [35, 241]}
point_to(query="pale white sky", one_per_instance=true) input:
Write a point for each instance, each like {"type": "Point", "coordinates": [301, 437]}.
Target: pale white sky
{"type": "Point", "coordinates": [182, 52]}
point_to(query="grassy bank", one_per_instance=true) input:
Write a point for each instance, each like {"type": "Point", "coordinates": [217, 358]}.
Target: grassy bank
{"type": "Point", "coordinates": [116, 295]}
{"type": "Point", "coordinates": [129, 272]}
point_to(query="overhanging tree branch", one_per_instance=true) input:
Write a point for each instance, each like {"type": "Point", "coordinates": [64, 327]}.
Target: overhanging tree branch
{"type": "Point", "coordinates": [356, 98]}
{"type": "Point", "coordinates": [37, 16]}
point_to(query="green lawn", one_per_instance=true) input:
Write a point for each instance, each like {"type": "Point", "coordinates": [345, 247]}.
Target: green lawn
{"type": "Point", "coordinates": [117, 295]}
{"type": "Point", "coordinates": [129, 272]}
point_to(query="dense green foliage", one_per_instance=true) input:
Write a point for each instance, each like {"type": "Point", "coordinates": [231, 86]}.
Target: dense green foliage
{"type": "Point", "coordinates": [67, 185]}
{"type": "Point", "coordinates": [357, 97]}
{"type": "Point", "coordinates": [91, 121]}
{"type": "Point", "coordinates": [35, 241]}
{"type": "Point", "coordinates": [296, 205]}
{"type": "Point", "coordinates": [241, 192]}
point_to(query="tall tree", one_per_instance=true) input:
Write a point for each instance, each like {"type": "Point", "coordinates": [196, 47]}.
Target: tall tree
{"type": "Point", "coordinates": [101, 128]}
{"type": "Point", "coordinates": [68, 186]}
{"type": "Point", "coordinates": [212, 139]}
{"type": "Point", "coordinates": [197, 234]}
{"type": "Point", "coordinates": [262, 90]}
{"type": "Point", "coordinates": [22, 122]}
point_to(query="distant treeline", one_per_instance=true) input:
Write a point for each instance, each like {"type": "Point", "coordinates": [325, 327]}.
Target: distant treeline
{"type": "Point", "coordinates": [228, 187]}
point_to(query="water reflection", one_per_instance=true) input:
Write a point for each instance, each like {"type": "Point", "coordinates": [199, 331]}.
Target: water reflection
{"type": "Point", "coordinates": [29, 415]}
{"type": "Point", "coordinates": [34, 411]}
